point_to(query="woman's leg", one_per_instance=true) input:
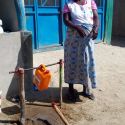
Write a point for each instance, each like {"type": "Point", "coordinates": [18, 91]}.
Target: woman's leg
{"type": "Point", "coordinates": [87, 92]}
{"type": "Point", "coordinates": [71, 88]}
{"type": "Point", "coordinates": [72, 93]}
{"type": "Point", "coordinates": [86, 84]}
{"type": "Point", "coordinates": [92, 72]}
{"type": "Point", "coordinates": [86, 89]}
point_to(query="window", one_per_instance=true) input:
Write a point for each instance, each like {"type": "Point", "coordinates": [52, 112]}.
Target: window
{"type": "Point", "coordinates": [29, 2]}
{"type": "Point", "coordinates": [48, 2]}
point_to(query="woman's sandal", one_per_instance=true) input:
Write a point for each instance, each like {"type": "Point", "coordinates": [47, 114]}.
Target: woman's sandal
{"type": "Point", "coordinates": [71, 97]}
{"type": "Point", "coordinates": [90, 96]}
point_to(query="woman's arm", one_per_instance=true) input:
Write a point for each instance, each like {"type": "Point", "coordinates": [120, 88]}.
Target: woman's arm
{"type": "Point", "coordinates": [95, 24]}
{"type": "Point", "coordinates": [68, 22]}
{"type": "Point", "coordinates": [96, 20]}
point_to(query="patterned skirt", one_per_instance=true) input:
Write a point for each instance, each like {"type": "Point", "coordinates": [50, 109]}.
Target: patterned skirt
{"type": "Point", "coordinates": [79, 64]}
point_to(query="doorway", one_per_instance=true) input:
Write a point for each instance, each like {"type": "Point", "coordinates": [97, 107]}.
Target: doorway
{"type": "Point", "coordinates": [118, 31]}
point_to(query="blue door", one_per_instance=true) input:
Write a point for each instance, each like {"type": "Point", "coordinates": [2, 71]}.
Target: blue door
{"type": "Point", "coordinates": [44, 19]}
{"type": "Point", "coordinates": [101, 12]}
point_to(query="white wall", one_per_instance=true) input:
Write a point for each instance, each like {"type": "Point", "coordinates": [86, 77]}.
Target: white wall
{"type": "Point", "coordinates": [16, 51]}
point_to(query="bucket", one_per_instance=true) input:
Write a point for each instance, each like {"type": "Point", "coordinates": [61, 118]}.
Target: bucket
{"type": "Point", "coordinates": [42, 78]}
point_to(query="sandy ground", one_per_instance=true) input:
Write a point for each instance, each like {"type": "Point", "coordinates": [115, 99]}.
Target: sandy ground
{"type": "Point", "coordinates": [109, 106]}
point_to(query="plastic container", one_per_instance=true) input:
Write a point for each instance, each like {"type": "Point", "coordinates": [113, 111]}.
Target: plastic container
{"type": "Point", "coordinates": [42, 78]}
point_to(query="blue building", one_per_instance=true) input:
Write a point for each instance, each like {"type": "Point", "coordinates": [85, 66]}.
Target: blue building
{"type": "Point", "coordinates": [44, 19]}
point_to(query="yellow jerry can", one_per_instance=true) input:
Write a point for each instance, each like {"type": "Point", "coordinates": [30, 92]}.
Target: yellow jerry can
{"type": "Point", "coordinates": [42, 77]}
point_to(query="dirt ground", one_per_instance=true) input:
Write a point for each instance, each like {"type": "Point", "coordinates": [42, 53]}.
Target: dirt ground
{"type": "Point", "coordinates": [109, 106]}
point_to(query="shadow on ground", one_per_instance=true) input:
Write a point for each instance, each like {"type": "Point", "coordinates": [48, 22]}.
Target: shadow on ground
{"type": "Point", "coordinates": [118, 41]}
{"type": "Point", "coordinates": [9, 122]}
{"type": "Point", "coordinates": [51, 95]}
{"type": "Point", "coordinates": [11, 110]}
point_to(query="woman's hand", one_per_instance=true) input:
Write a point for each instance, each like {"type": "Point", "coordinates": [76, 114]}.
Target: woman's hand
{"type": "Point", "coordinates": [80, 31]}
{"type": "Point", "coordinates": [68, 22]}
{"type": "Point", "coordinates": [96, 24]}
{"type": "Point", "coordinates": [94, 34]}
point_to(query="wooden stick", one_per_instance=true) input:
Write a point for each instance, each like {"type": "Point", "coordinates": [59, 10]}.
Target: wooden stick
{"type": "Point", "coordinates": [60, 81]}
{"type": "Point", "coordinates": [22, 95]}
{"type": "Point", "coordinates": [60, 114]}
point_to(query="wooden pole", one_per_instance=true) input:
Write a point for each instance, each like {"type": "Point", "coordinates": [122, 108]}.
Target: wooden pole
{"type": "Point", "coordinates": [60, 114]}
{"type": "Point", "coordinates": [60, 80]}
{"type": "Point", "coordinates": [22, 95]}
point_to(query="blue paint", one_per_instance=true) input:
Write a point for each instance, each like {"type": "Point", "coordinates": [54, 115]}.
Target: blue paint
{"type": "Point", "coordinates": [19, 5]}
{"type": "Point", "coordinates": [30, 17]}
{"type": "Point", "coordinates": [101, 13]}
{"type": "Point", "coordinates": [48, 29]}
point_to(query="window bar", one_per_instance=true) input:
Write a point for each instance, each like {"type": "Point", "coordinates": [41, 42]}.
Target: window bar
{"type": "Point", "coordinates": [45, 1]}
{"type": "Point", "coordinates": [55, 3]}
{"type": "Point", "coordinates": [28, 2]}
{"type": "Point", "coordinates": [41, 2]}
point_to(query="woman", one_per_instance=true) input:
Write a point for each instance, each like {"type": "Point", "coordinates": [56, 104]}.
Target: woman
{"type": "Point", "coordinates": [81, 18]}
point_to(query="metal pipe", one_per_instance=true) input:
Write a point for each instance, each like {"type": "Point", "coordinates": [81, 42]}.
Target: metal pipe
{"type": "Point", "coordinates": [34, 68]}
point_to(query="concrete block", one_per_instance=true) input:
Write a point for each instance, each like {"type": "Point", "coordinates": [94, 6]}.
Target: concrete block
{"type": "Point", "coordinates": [16, 51]}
